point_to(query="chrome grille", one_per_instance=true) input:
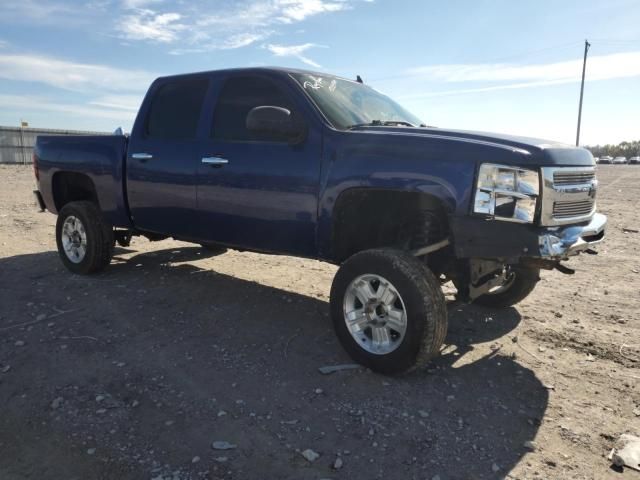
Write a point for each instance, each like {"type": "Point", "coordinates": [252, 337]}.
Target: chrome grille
{"type": "Point", "coordinates": [568, 195]}
{"type": "Point", "coordinates": [573, 178]}
{"type": "Point", "coordinates": [571, 209]}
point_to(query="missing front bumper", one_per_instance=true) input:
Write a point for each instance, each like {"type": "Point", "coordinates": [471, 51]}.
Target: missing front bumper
{"type": "Point", "coordinates": [511, 242]}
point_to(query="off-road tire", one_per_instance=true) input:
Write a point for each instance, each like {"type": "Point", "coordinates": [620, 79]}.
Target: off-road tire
{"type": "Point", "coordinates": [99, 233]}
{"type": "Point", "coordinates": [424, 302]}
{"type": "Point", "coordinates": [524, 281]}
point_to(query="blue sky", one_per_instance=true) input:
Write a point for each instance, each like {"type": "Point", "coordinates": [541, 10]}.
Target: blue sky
{"type": "Point", "coordinates": [494, 65]}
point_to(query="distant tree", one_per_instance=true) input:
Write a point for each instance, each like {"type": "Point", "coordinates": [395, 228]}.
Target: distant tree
{"type": "Point", "coordinates": [623, 149]}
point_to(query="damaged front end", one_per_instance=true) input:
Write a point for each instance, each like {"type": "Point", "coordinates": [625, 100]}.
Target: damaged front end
{"type": "Point", "coordinates": [518, 222]}
{"type": "Point", "coordinates": [560, 243]}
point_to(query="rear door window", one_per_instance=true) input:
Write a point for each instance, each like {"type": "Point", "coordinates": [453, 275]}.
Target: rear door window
{"type": "Point", "coordinates": [175, 109]}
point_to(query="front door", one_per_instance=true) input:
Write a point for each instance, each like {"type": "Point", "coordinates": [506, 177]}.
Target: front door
{"type": "Point", "coordinates": [258, 192]}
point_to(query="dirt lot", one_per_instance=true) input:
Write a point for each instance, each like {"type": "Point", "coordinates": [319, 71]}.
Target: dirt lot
{"type": "Point", "coordinates": [133, 373]}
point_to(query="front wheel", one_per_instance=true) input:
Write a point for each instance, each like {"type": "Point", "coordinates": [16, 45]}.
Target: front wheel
{"type": "Point", "coordinates": [84, 239]}
{"type": "Point", "coordinates": [388, 310]}
{"type": "Point", "coordinates": [519, 283]}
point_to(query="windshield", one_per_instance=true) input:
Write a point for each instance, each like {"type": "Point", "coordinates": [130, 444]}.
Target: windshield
{"type": "Point", "coordinates": [346, 103]}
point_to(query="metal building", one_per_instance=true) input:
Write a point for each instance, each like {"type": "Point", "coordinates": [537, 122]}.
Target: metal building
{"type": "Point", "coordinates": [16, 144]}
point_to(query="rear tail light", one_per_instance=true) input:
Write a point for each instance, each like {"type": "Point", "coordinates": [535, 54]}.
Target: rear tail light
{"type": "Point", "coordinates": [35, 166]}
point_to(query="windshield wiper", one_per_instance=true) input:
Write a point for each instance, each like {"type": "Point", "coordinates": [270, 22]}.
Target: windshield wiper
{"type": "Point", "coordinates": [381, 123]}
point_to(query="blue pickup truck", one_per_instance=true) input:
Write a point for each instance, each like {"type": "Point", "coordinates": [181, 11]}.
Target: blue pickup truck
{"type": "Point", "coordinates": [307, 164]}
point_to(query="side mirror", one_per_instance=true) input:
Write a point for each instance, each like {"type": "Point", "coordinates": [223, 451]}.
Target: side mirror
{"type": "Point", "coordinates": [276, 122]}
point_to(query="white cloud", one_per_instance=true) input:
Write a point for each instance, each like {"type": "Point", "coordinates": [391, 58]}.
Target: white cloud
{"type": "Point", "coordinates": [129, 103]}
{"type": "Point", "coordinates": [46, 12]}
{"type": "Point", "coordinates": [187, 27]}
{"type": "Point", "coordinates": [130, 4]}
{"type": "Point", "coordinates": [237, 25]}
{"type": "Point", "coordinates": [232, 42]}
{"type": "Point", "coordinates": [35, 9]}
{"type": "Point", "coordinates": [243, 40]}
{"type": "Point", "coordinates": [254, 14]}
{"type": "Point", "coordinates": [514, 76]}
{"type": "Point", "coordinates": [72, 76]}
{"type": "Point", "coordinates": [149, 25]}
{"type": "Point", "coordinates": [39, 104]}
{"type": "Point", "coordinates": [260, 13]}
{"type": "Point", "coordinates": [294, 51]}
{"type": "Point", "coordinates": [185, 51]}
{"type": "Point", "coordinates": [298, 10]}
{"type": "Point", "coordinates": [603, 66]}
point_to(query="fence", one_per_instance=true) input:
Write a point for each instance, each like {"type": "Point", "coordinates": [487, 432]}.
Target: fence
{"type": "Point", "coordinates": [16, 144]}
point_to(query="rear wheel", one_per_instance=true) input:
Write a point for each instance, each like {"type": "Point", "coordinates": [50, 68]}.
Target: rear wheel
{"type": "Point", "coordinates": [388, 310]}
{"type": "Point", "coordinates": [84, 239]}
{"type": "Point", "coordinates": [519, 283]}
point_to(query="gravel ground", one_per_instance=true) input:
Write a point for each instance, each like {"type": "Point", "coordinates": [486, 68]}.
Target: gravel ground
{"type": "Point", "coordinates": [135, 373]}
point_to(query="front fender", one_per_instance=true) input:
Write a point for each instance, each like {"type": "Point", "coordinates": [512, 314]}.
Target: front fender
{"type": "Point", "coordinates": [441, 167]}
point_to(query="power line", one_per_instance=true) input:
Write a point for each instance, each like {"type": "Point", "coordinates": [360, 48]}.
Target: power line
{"type": "Point", "coordinates": [554, 48]}
{"type": "Point", "coordinates": [619, 41]}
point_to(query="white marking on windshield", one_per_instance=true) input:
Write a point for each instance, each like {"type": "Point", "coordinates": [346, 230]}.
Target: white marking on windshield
{"type": "Point", "coordinates": [316, 82]}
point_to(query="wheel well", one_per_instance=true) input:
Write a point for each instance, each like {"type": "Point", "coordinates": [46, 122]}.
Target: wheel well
{"type": "Point", "coordinates": [366, 218]}
{"type": "Point", "coordinates": [72, 187]}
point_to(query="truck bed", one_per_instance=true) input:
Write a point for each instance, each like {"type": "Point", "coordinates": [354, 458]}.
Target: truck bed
{"type": "Point", "coordinates": [99, 158]}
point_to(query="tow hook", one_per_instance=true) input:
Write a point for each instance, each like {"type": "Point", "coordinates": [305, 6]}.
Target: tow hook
{"type": "Point", "coordinates": [564, 269]}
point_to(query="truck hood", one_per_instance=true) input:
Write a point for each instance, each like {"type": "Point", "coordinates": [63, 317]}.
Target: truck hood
{"type": "Point", "coordinates": [529, 151]}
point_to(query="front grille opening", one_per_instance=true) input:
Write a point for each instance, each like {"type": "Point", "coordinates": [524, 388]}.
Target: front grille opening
{"type": "Point", "coordinates": [573, 178]}
{"type": "Point", "coordinates": [570, 209]}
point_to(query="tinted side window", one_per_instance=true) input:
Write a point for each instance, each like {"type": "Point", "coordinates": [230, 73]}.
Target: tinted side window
{"type": "Point", "coordinates": [175, 109]}
{"type": "Point", "coordinates": [238, 96]}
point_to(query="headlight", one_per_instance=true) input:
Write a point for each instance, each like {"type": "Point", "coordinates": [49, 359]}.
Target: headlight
{"type": "Point", "coordinates": [507, 193]}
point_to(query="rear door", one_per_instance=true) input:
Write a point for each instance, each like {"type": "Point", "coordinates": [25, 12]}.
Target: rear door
{"type": "Point", "coordinates": [260, 192]}
{"type": "Point", "coordinates": [164, 157]}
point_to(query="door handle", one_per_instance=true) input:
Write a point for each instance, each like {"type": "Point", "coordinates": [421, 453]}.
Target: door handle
{"type": "Point", "coordinates": [142, 156]}
{"type": "Point", "coordinates": [215, 161]}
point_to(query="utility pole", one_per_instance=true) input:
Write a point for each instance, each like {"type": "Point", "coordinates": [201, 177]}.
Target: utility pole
{"type": "Point", "coordinates": [584, 68]}
{"type": "Point", "coordinates": [22, 149]}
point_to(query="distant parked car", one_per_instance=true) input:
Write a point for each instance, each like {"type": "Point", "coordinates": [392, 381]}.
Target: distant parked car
{"type": "Point", "coordinates": [596, 159]}
{"type": "Point", "coordinates": [620, 160]}
{"type": "Point", "coordinates": [606, 159]}
{"type": "Point", "coordinates": [634, 160]}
